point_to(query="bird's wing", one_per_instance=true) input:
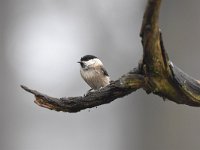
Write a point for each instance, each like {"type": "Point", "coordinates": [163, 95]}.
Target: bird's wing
{"type": "Point", "coordinates": [104, 71]}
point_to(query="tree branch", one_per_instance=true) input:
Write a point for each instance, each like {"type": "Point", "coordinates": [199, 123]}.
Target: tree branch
{"type": "Point", "coordinates": [119, 88]}
{"type": "Point", "coordinates": [163, 78]}
{"type": "Point", "coordinates": [155, 74]}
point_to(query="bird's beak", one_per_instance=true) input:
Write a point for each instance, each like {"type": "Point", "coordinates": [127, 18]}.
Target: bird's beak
{"type": "Point", "coordinates": [81, 63]}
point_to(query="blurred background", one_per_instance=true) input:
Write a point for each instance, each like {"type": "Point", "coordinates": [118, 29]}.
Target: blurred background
{"type": "Point", "coordinates": [40, 43]}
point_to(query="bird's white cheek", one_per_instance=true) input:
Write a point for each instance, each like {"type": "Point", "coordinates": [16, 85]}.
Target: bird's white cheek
{"type": "Point", "coordinates": [90, 62]}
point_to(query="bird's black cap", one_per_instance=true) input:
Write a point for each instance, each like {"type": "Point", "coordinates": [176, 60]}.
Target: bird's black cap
{"type": "Point", "coordinates": [87, 57]}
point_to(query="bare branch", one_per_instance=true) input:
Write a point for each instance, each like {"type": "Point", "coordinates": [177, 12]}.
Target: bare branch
{"type": "Point", "coordinates": [163, 78]}
{"type": "Point", "coordinates": [155, 74]}
{"type": "Point", "coordinates": [119, 88]}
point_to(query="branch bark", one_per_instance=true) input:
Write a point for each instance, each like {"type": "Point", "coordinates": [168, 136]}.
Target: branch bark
{"type": "Point", "coordinates": [155, 74]}
{"type": "Point", "coordinates": [164, 78]}
{"type": "Point", "coordinates": [125, 85]}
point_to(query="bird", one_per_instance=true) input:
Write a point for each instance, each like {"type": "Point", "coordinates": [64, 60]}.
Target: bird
{"type": "Point", "coordinates": [93, 72]}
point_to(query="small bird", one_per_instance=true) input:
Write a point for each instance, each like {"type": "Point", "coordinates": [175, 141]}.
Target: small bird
{"type": "Point", "coordinates": [93, 72]}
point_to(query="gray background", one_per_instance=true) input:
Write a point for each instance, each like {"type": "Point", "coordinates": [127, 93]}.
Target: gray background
{"type": "Point", "coordinates": [40, 43]}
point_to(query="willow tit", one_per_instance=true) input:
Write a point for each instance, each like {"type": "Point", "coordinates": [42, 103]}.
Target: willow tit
{"type": "Point", "coordinates": [93, 72]}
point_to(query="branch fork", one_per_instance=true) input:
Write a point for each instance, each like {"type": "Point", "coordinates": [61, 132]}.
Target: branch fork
{"type": "Point", "coordinates": [155, 74]}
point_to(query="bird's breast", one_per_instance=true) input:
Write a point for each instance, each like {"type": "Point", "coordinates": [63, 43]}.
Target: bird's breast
{"type": "Point", "coordinates": [94, 78]}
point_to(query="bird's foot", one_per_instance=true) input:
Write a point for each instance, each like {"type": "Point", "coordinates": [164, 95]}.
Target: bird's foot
{"type": "Point", "coordinates": [89, 91]}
